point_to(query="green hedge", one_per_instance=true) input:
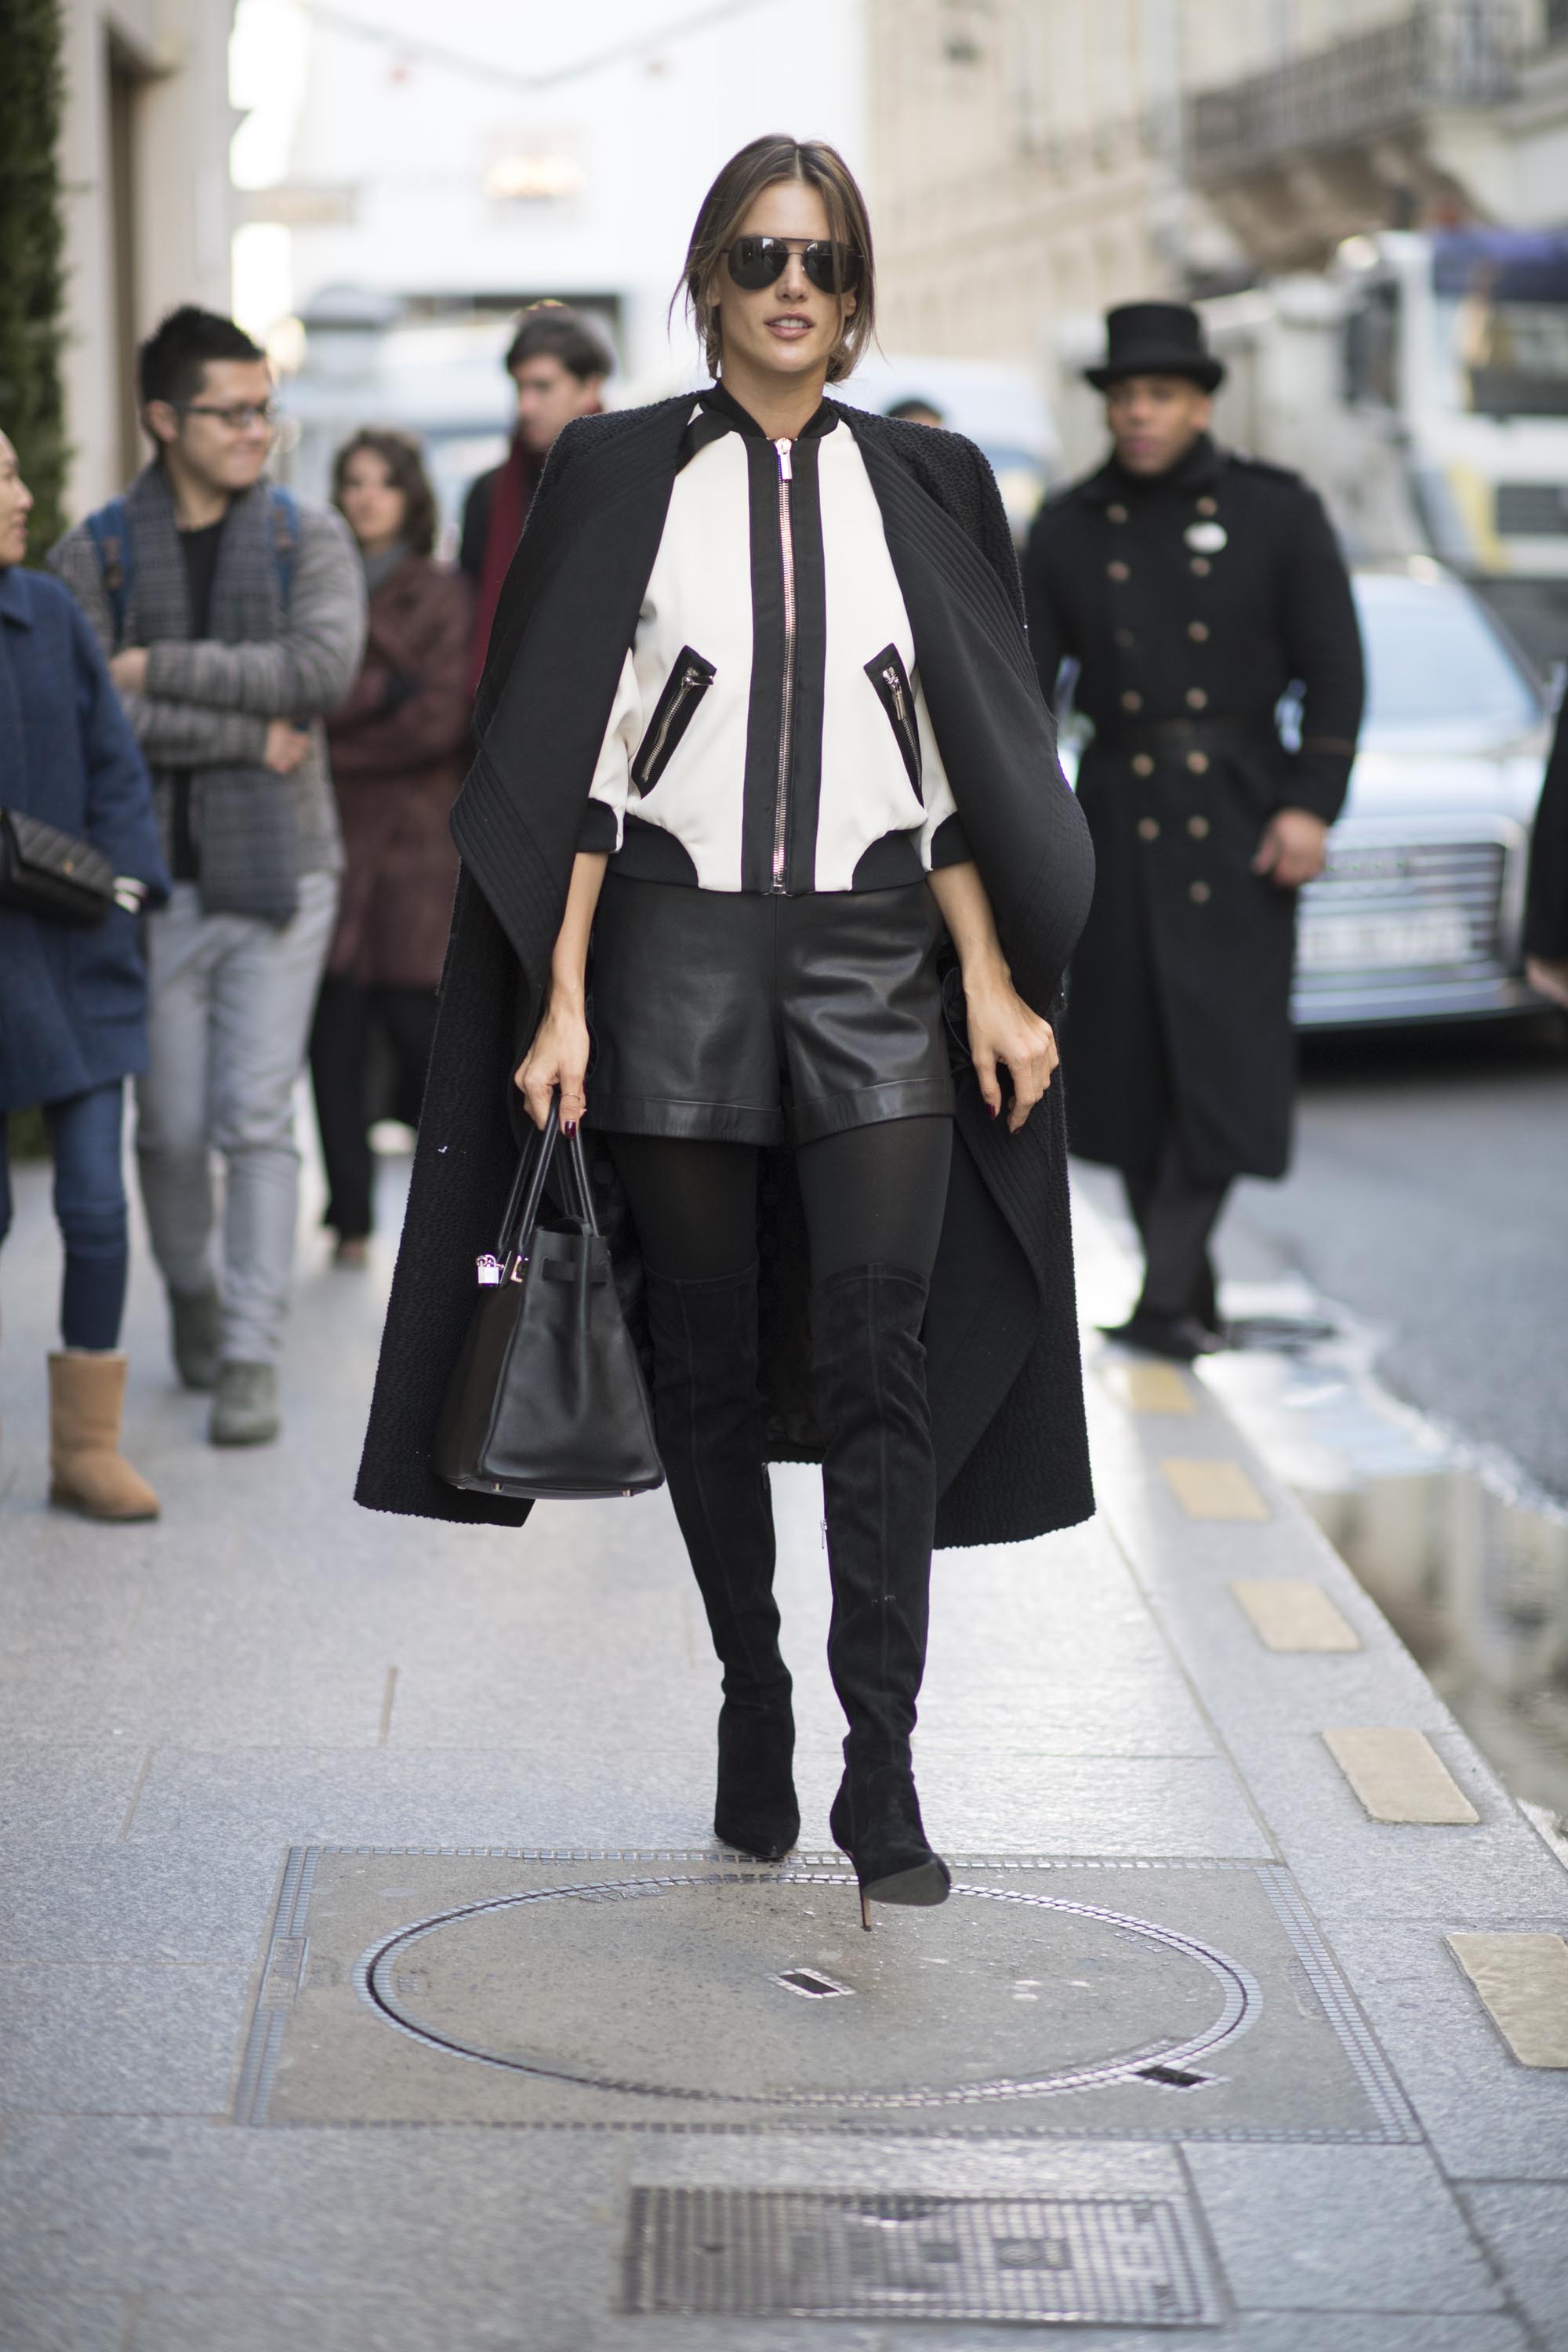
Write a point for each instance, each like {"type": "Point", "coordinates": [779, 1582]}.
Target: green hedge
{"type": "Point", "coordinates": [32, 278]}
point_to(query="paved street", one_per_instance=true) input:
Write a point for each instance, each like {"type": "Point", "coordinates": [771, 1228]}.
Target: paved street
{"type": "Point", "coordinates": [1428, 1197]}
{"type": "Point", "coordinates": [370, 1976]}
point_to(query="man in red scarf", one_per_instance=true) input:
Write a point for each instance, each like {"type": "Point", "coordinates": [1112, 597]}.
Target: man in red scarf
{"type": "Point", "coordinates": [558, 362]}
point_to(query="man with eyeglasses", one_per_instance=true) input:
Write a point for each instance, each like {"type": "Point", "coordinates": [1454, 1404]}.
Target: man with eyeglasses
{"type": "Point", "coordinates": [233, 616]}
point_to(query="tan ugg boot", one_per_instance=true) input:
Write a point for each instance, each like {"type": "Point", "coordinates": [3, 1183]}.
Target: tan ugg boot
{"type": "Point", "coordinates": [88, 1472]}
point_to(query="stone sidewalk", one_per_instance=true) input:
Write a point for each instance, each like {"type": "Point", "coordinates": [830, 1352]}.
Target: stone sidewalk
{"type": "Point", "coordinates": [368, 1975]}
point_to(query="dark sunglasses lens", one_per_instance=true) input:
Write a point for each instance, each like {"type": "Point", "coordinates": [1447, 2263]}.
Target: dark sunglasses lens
{"type": "Point", "coordinates": [832, 268]}
{"type": "Point", "coordinates": [757, 261]}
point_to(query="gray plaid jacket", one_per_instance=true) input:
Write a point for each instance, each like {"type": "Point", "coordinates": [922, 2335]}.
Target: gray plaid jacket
{"type": "Point", "coordinates": [209, 704]}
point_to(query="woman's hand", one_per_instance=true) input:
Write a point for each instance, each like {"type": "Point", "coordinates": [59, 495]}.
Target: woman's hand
{"type": "Point", "coordinates": [557, 1057]}
{"type": "Point", "coordinates": [1004, 1030]}
{"type": "Point", "coordinates": [559, 1054]}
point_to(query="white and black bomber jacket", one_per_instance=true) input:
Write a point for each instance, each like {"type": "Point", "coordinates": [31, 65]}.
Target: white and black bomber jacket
{"type": "Point", "coordinates": [769, 732]}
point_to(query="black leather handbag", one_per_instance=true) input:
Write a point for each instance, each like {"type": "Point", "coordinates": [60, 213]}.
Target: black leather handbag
{"type": "Point", "coordinates": [547, 1402]}
{"type": "Point", "coordinates": [46, 872]}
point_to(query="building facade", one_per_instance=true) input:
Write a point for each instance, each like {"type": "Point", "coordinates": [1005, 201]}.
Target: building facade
{"type": "Point", "coordinates": [1036, 160]}
{"type": "Point", "coordinates": [148, 210]}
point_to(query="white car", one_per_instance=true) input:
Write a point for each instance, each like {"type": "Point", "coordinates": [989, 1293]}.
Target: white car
{"type": "Point", "coordinates": [1417, 915]}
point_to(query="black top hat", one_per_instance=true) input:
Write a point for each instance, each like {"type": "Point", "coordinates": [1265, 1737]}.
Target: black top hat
{"type": "Point", "coordinates": [1156, 339]}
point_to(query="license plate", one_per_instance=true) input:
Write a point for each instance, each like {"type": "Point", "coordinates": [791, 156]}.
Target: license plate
{"type": "Point", "coordinates": [1352, 942]}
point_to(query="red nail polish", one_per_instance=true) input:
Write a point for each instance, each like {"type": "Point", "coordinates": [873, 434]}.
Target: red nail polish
{"type": "Point", "coordinates": [995, 1109]}
{"type": "Point", "coordinates": [570, 1128]}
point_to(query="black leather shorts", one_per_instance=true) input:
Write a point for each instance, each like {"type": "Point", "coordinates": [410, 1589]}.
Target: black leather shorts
{"type": "Point", "coordinates": [750, 1020]}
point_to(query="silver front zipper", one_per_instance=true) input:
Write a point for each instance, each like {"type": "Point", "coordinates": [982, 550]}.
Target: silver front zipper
{"type": "Point", "coordinates": [786, 713]}
{"type": "Point", "coordinates": [690, 680]}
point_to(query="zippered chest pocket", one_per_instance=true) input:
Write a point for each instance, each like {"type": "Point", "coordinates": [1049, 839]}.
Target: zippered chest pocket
{"type": "Point", "coordinates": [689, 679]}
{"type": "Point", "coordinates": [886, 673]}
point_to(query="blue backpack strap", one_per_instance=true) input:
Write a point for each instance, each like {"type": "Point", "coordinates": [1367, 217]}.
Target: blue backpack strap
{"type": "Point", "coordinates": [110, 531]}
{"type": "Point", "coordinates": [283, 514]}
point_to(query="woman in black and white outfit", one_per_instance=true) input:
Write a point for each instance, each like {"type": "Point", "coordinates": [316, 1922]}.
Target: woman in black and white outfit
{"type": "Point", "coordinates": [764, 765]}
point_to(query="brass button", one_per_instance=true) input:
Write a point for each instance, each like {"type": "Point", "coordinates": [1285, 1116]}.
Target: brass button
{"type": "Point", "coordinates": [1131, 699]}
{"type": "Point", "coordinates": [1207, 507]}
{"type": "Point", "coordinates": [1196, 699]}
{"type": "Point", "coordinates": [1142, 765]}
{"type": "Point", "coordinates": [1198, 892]}
{"type": "Point", "coordinates": [1199, 632]}
{"type": "Point", "coordinates": [1200, 565]}
{"type": "Point", "coordinates": [1119, 572]}
{"type": "Point", "coordinates": [1198, 826]}
{"type": "Point", "coordinates": [1148, 828]}
{"type": "Point", "coordinates": [1198, 761]}
{"type": "Point", "coordinates": [1123, 638]}
{"type": "Point", "coordinates": [1116, 514]}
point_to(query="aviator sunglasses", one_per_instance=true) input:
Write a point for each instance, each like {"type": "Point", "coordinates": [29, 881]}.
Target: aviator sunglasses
{"type": "Point", "coordinates": [759, 261]}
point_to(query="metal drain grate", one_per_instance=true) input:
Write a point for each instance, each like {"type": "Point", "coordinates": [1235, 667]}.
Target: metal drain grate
{"type": "Point", "coordinates": [796, 2253]}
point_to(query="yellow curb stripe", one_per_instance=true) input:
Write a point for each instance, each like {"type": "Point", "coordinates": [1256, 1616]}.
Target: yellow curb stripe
{"type": "Point", "coordinates": [1150, 1387]}
{"type": "Point", "coordinates": [1399, 1776]}
{"type": "Point", "coordinates": [1215, 1490]}
{"type": "Point", "coordinates": [1292, 1614]}
{"type": "Point", "coordinates": [1523, 1982]}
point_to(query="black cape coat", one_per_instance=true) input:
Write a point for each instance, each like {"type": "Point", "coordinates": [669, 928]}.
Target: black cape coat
{"type": "Point", "coordinates": [1001, 1335]}
{"type": "Point", "coordinates": [1180, 994]}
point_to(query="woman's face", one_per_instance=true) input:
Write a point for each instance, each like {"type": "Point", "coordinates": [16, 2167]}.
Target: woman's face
{"type": "Point", "coordinates": [790, 328]}
{"type": "Point", "coordinates": [15, 506]}
{"type": "Point", "coordinates": [372, 503]}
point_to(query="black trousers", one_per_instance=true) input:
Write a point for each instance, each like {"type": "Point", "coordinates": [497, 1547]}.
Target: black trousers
{"type": "Point", "coordinates": [1175, 1218]}
{"type": "Point", "coordinates": [352, 1024]}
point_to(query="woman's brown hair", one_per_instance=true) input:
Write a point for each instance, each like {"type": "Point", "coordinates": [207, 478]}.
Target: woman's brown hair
{"type": "Point", "coordinates": [760, 165]}
{"type": "Point", "coordinates": [400, 454]}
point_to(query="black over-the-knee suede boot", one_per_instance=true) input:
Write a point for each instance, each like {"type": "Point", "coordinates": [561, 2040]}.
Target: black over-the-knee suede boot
{"type": "Point", "coordinates": [879, 1488]}
{"type": "Point", "coordinates": [709, 1415]}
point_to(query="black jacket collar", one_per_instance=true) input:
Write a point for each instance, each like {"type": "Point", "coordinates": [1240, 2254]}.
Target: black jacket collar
{"type": "Point", "coordinates": [719, 400]}
{"type": "Point", "coordinates": [1200, 469]}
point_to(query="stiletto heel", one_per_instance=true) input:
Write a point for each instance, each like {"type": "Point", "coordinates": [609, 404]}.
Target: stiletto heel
{"type": "Point", "coordinates": [875, 1821]}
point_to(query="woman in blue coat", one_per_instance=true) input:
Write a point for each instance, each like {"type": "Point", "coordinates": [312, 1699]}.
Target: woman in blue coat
{"type": "Point", "coordinates": [73, 1001]}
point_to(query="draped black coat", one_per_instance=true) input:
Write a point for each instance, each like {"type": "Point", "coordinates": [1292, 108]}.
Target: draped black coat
{"type": "Point", "coordinates": [1001, 1334]}
{"type": "Point", "coordinates": [1196, 597]}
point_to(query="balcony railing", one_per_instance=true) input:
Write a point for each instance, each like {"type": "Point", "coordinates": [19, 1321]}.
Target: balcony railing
{"type": "Point", "coordinates": [1445, 53]}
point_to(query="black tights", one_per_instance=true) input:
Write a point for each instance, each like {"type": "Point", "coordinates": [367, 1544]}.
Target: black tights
{"type": "Point", "coordinates": [873, 1197]}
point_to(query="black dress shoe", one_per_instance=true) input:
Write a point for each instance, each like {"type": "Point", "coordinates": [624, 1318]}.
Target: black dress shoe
{"type": "Point", "coordinates": [1182, 1338]}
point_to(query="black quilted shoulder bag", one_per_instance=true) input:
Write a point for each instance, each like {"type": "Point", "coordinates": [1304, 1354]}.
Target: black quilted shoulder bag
{"type": "Point", "coordinates": [46, 872]}
{"type": "Point", "coordinates": [547, 1400]}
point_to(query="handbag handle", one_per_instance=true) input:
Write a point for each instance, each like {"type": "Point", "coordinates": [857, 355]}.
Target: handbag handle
{"type": "Point", "coordinates": [528, 1189]}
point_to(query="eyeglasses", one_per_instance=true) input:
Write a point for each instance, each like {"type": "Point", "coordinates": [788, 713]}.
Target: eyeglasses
{"type": "Point", "coordinates": [759, 261]}
{"type": "Point", "coordinates": [237, 419]}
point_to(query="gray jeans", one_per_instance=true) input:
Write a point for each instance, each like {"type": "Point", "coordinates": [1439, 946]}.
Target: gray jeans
{"type": "Point", "coordinates": [230, 1000]}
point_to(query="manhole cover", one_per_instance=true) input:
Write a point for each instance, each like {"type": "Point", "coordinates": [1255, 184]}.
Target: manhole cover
{"type": "Point", "coordinates": [680, 1993]}
{"type": "Point", "coordinates": [786, 2253]}
{"type": "Point", "coordinates": [1010, 1993]}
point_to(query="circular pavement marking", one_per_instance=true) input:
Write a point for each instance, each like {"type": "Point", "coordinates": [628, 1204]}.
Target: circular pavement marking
{"type": "Point", "coordinates": [676, 1988]}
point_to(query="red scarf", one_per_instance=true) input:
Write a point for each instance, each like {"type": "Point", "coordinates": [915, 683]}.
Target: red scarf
{"type": "Point", "coordinates": [509, 501]}
{"type": "Point", "coordinates": [515, 484]}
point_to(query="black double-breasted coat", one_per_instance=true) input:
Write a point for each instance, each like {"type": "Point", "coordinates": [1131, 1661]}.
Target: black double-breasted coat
{"type": "Point", "coordinates": [1001, 1332]}
{"type": "Point", "coordinates": [1191, 603]}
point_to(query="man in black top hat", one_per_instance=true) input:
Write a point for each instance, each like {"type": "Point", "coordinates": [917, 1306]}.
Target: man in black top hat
{"type": "Point", "coordinates": [1192, 588]}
